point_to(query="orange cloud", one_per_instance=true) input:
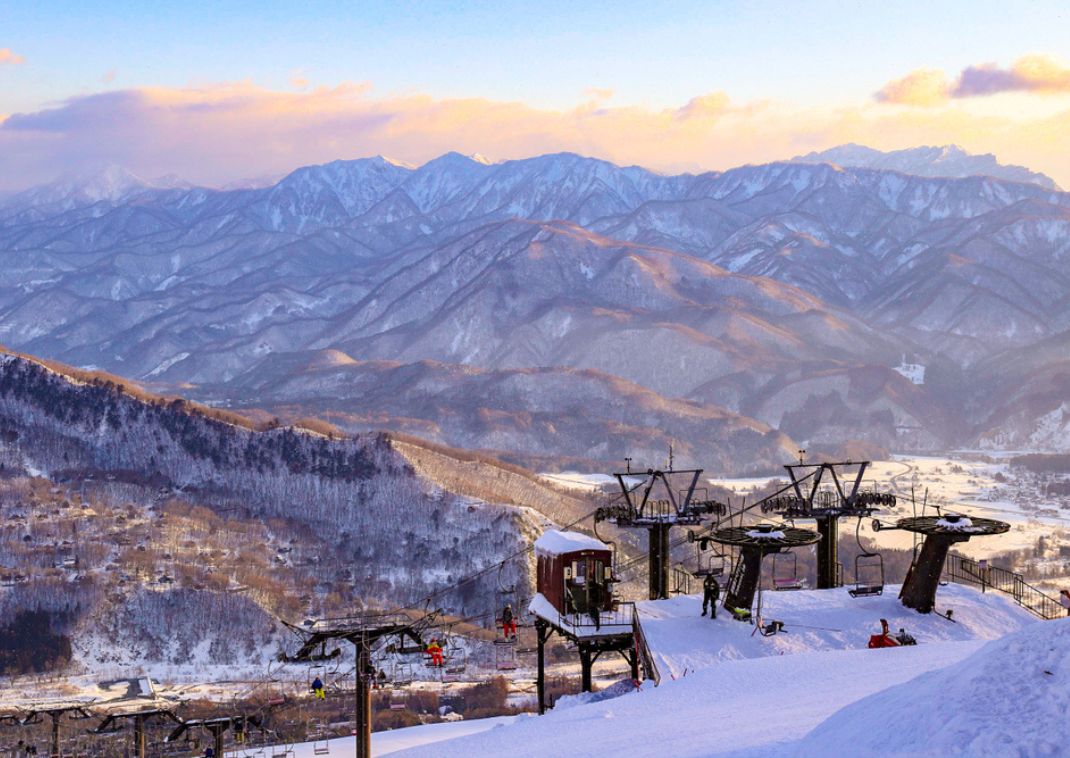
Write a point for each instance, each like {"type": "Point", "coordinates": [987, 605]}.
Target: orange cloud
{"type": "Point", "coordinates": [703, 107]}
{"type": "Point", "coordinates": [930, 87]}
{"type": "Point", "coordinates": [9, 58]}
{"type": "Point", "coordinates": [217, 134]}
{"type": "Point", "coordinates": [1033, 73]}
{"type": "Point", "coordinates": [925, 87]}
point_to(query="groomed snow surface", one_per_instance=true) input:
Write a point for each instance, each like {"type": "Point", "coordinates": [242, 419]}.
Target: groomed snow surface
{"type": "Point", "coordinates": [996, 683]}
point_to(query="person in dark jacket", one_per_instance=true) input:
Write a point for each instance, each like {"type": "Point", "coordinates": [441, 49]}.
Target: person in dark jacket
{"type": "Point", "coordinates": [508, 622]}
{"type": "Point", "coordinates": [317, 689]}
{"type": "Point", "coordinates": [711, 592]}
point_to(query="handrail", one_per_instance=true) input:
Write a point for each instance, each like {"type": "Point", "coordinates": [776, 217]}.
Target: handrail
{"type": "Point", "coordinates": [646, 657]}
{"type": "Point", "coordinates": [963, 570]}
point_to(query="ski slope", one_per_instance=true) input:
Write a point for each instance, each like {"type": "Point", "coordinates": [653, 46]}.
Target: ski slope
{"type": "Point", "coordinates": [388, 743]}
{"type": "Point", "coordinates": [725, 692]}
{"type": "Point", "coordinates": [816, 620]}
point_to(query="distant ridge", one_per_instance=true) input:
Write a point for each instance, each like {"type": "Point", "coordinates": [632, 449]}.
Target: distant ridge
{"type": "Point", "coordinates": [948, 161]}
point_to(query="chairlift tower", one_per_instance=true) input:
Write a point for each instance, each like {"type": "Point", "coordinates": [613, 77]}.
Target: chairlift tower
{"type": "Point", "coordinates": [55, 712]}
{"type": "Point", "coordinates": [140, 716]}
{"type": "Point", "coordinates": [808, 500]}
{"type": "Point", "coordinates": [754, 543]}
{"type": "Point", "coordinates": [941, 532]}
{"type": "Point", "coordinates": [365, 632]}
{"type": "Point", "coordinates": [653, 504]}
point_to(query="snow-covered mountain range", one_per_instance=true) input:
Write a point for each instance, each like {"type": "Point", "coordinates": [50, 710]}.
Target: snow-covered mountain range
{"type": "Point", "coordinates": [781, 295]}
{"type": "Point", "coordinates": [945, 160]}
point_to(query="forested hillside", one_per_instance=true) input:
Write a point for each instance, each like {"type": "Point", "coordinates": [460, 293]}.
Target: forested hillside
{"type": "Point", "coordinates": [124, 515]}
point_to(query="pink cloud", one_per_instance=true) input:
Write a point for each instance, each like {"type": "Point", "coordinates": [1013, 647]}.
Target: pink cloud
{"type": "Point", "coordinates": [216, 134]}
{"type": "Point", "coordinates": [928, 87]}
{"type": "Point", "coordinates": [10, 58]}
{"type": "Point", "coordinates": [1033, 73]}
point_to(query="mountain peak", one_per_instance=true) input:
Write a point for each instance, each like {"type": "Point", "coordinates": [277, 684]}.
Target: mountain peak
{"type": "Point", "coordinates": [946, 161]}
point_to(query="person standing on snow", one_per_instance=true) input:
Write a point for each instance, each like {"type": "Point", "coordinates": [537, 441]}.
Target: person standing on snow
{"type": "Point", "coordinates": [1064, 600]}
{"type": "Point", "coordinates": [711, 591]}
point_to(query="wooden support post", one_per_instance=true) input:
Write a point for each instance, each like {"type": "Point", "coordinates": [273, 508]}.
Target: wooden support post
{"type": "Point", "coordinates": [586, 664]}
{"type": "Point", "coordinates": [633, 660]}
{"type": "Point", "coordinates": [217, 733]}
{"type": "Point", "coordinates": [55, 734]}
{"type": "Point", "coordinates": [139, 736]}
{"type": "Point", "coordinates": [541, 631]}
{"type": "Point", "coordinates": [364, 701]}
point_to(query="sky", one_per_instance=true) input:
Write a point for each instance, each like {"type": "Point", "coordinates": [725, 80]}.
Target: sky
{"type": "Point", "coordinates": [226, 91]}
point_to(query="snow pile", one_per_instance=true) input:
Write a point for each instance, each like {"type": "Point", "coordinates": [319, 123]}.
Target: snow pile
{"type": "Point", "coordinates": [1009, 698]}
{"type": "Point", "coordinates": [623, 687]}
{"type": "Point", "coordinates": [556, 543]}
{"type": "Point", "coordinates": [957, 523]}
{"type": "Point", "coordinates": [760, 535]}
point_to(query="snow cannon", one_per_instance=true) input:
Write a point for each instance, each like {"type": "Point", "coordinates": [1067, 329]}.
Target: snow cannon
{"type": "Point", "coordinates": [941, 532]}
{"type": "Point", "coordinates": [754, 543]}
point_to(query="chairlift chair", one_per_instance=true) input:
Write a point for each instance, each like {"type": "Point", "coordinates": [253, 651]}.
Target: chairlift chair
{"type": "Point", "coordinates": [714, 564]}
{"type": "Point", "coordinates": [402, 674]}
{"type": "Point", "coordinates": [505, 658]}
{"type": "Point", "coordinates": [869, 575]}
{"type": "Point", "coordinates": [321, 744]}
{"type": "Point", "coordinates": [456, 658]}
{"type": "Point", "coordinates": [869, 569]}
{"type": "Point", "coordinates": [786, 572]}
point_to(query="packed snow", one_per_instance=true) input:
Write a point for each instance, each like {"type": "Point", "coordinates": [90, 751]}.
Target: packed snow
{"type": "Point", "coordinates": [729, 692]}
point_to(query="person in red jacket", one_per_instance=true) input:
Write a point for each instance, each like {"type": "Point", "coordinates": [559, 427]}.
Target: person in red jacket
{"type": "Point", "coordinates": [434, 650]}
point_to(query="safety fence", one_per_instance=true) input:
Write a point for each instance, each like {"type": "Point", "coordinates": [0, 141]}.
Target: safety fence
{"type": "Point", "coordinates": [642, 649]}
{"type": "Point", "coordinates": [963, 570]}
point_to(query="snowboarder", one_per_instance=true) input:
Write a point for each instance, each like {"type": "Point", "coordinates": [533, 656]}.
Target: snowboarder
{"type": "Point", "coordinates": [711, 591]}
{"type": "Point", "coordinates": [508, 622]}
{"type": "Point", "coordinates": [1064, 600]}
{"type": "Point", "coordinates": [434, 651]}
{"type": "Point", "coordinates": [317, 689]}
{"type": "Point", "coordinates": [905, 639]}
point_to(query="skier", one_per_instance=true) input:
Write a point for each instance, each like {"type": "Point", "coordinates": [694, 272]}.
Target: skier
{"type": "Point", "coordinates": [711, 591]}
{"type": "Point", "coordinates": [508, 622]}
{"type": "Point", "coordinates": [317, 689]}
{"type": "Point", "coordinates": [434, 650]}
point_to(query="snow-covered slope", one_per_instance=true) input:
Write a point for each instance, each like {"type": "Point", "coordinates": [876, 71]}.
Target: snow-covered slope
{"type": "Point", "coordinates": [1009, 698]}
{"type": "Point", "coordinates": [817, 620]}
{"type": "Point", "coordinates": [735, 694]}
